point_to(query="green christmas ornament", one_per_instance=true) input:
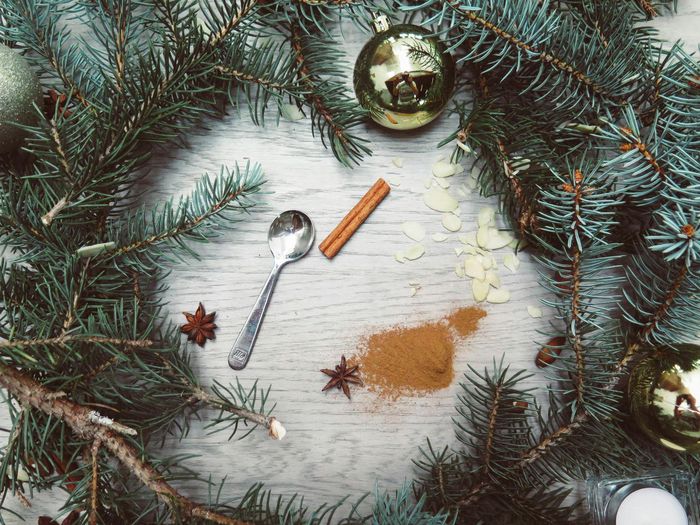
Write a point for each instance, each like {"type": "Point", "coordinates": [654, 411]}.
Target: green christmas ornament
{"type": "Point", "coordinates": [664, 397]}
{"type": "Point", "coordinates": [19, 90]}
{"type": "Point", "coordinates": [403, 76]}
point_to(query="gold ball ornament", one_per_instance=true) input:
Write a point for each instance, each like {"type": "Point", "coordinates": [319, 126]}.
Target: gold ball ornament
{"type": "Point", "coordinates": [664, 397]}
{"type": "Point", "coordinates": [19, 91]}
{"type": "Point", "coordinates": [403, 76]}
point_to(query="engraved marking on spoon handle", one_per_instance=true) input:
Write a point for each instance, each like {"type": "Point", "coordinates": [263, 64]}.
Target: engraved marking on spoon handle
{"type": "Point", "coordinates": [243, 346]}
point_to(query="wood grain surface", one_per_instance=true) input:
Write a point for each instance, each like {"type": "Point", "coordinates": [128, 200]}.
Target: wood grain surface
{"type": "Point", "coordinates": [321, 308]}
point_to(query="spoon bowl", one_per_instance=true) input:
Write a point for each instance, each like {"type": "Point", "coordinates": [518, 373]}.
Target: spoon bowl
{"type": "Point", "coordinates": [290, 237]}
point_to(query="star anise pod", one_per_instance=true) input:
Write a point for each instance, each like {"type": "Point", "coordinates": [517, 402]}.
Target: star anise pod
{"type": "Point", "coordinates": [342, 376]}
{"type": "Point", "coordinates": [200, 325]}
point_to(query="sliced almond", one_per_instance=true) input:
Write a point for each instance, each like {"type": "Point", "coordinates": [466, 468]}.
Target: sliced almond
{"type": "Point", "coordinates": [498, 295]}
{"type": "Point", "coordinates": [458, 168]}
{"type": "Point", "coordinates": [468, 238]}
{"type": "Point", "coordinates": [443, 169]}
{"type": "Point", "coordinates": [486, 216]}
{"type": "Point", "coordinates": [439, 237]}
{"type": "Point", "coordinates": [493, 279]}
{"type": "Point", "coordinates": [473, 268]}
{"type": "Point", "coordinates": [464, 147]}
{"type": "Point", "coordinates": [534, 311]}
{"type": "Point", "coordinates": [470, 250]}
{"type": "Point", "coordinates": [439, 200]}
{"type": "Point", "coordinates": [442, 183]}
{"type": "Point", "coordinates": [471, 183]}
{"type": "Point", "coordinates": [480, 290]}
{"type": "Point", "coordinates": [459, 250]}
{"type": "Point", "coordinates": [482, 237]}
{"type": "Point", "coordinates": [414, 252]}
{"type": "Point", "coordinates": [428, 183]}
{"type": "Point", "coordinates": [399, 257]}
{"type": "Point", "coordinates": [413, 292]}
{"type": "Point", "coordinates": [511, 262]}
{"type": "Point", "coordinates": [451, 222]}
{"type": "Point", "coordinates": [485, 262]}
{"type": "Point", "coordinates": [397, 161]}
{"type": "Point", "coordinates": [393, 181]}
{"type": "Point", "coordinates": [413, 230]}
{"type": "Point", "coordinates": [459, 269]}
{"type": "Point", "coordinates": [497, 239]}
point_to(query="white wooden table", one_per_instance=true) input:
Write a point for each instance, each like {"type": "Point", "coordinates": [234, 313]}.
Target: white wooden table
{"type": "Point", "coordinates": [321, 309]}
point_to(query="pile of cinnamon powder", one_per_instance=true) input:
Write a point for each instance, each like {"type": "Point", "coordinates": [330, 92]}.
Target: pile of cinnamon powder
{"type": "Point", "coordinates": [410, 361]}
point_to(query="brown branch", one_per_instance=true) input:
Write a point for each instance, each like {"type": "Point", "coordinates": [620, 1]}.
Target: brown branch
{"type": "Point", "coordinates": [644, 151]}
{"type": "Point", "coordinates": [185, 227]}
{"type": "Point", "coordinates": [543, 56]}
{"type": "Point", "coordinates": [491, 429]}
{"type": "Point", "coordinates": [94, 481]}
{"type": "Point", "coordinates": [641, 337]}
{"type": "Point", "coordinates": [64, 339]}
{"type": "Point", "coordinates": [527, 217]}
{"type": "Point", "coordinates": [79, 418]}
{"type": "Point", "coordinates": [247, 77]}
{"type": "Point", "coordinates": [648, 8]}
{"type": "Point", "coordinates": [307, 77]}
{"type": "Point", "coordinates": [217, 38]}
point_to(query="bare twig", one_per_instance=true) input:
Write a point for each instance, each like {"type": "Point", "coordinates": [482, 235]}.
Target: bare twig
{"type": "Point", "coordinates": [31, 393]}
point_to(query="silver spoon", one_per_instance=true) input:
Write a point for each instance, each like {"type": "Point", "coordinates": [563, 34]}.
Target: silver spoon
{"type": "Point", "coordinates": [291, 235]}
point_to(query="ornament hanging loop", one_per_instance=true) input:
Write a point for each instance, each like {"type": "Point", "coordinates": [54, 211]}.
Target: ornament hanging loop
{"type": "Point", "coordinates": [380, 22]}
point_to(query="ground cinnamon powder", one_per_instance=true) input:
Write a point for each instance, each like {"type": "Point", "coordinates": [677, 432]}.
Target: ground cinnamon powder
{"type": "Point", "coordinates": [415, 360]}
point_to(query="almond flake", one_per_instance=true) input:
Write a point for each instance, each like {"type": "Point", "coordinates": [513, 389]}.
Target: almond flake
{"type": "Point", "coordinates": [534, 311]}
{"type": "Point", "coordinates": [451, 222]}
{"type": "Point", "coordinates": [482, 237]}
{"type": "Point", "coordinates": [397, 161]}
{"type": "Point", "coordinates": [493, 279]}
{"type": "Point", "coordinates": [498, 296]}
{"type": "Point", "coordinates": [497, 239]}
{"type": "Point", "coordinates": [470, 250]}
{"type": "Point", "coordinates": [413, 230]}
{"type": "Point", "coordinates": [472, 183]}
{"type": "Point", "coordinates": [458, 169]}
{"type": "Point", "coordinates": [414, 252]}
{"type": "Point", "coordinates": [439, 237]}
{"type": "Point", "coordinates": [459, 270]}
{"type": "Point", "coordinates": [464, 147]}
{"type": "Point", "coordinates": [442, 183]}
{"type": "Point", "coordinates": [413, 292]}
{"type": "Point", "coordinates": [486, 216]}
{"type": "Point", "coordinates": [393, 181]}
{"type": "Point", "coordinates": [443, 169]}
{"type": "Point", "coordinates": [428, 183]}
{"type": "Point", "coordinates": [468, 238]}
{"type": "Point", "coordinates": [485, 262]}
{"type": "Point", "coordinates": [511, 262]}
{"type": "Point", "coordinates": [439, 200]}
{"type": "Point", "coordinates": [458, 251]}
{"type": "Point", "coordinates": [480, 290]}
{"type": "Point", "coordinates": [399, 257]}
{"type": "Point", "coordinates": [473, 268]}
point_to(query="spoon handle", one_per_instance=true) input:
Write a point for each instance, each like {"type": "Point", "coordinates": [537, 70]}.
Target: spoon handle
{"type": "Point", "coordinates": [243, 346]}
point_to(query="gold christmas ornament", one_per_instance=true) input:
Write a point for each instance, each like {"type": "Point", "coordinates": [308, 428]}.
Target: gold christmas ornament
{"type": "Point", "coordinates": [664, 393]}
{"type": "Point", "coordinates": [19, 91]}
{"type": "Point", "coordinates": [403, 75]}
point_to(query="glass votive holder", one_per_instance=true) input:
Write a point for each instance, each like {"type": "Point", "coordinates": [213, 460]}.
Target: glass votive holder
{"type": "Point", "coordinates": [665, 497]}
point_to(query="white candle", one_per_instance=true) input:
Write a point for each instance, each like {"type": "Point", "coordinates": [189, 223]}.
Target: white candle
{"type": "Point", "coordinates": [651, 506]}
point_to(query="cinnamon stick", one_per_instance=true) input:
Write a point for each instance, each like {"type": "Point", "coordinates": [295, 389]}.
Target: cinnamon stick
{"type": "Point", "coordinates": [332, 244]}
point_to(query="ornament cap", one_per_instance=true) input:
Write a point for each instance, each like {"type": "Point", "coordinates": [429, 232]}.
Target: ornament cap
{"type": "Point", "coordinates": [380, 23]}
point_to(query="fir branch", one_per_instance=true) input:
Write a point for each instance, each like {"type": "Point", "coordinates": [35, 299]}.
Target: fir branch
{"type": "Point", "coordinates": [333, 112]}
{"type": "Point", "coordinates": [94, 482]}
{"type": "Point", "coordinates": [79, 419]}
